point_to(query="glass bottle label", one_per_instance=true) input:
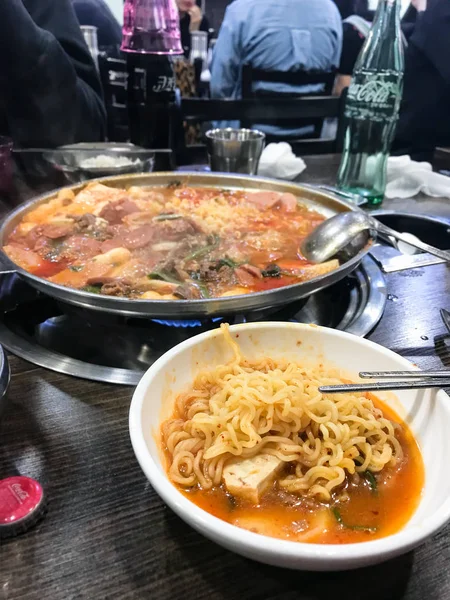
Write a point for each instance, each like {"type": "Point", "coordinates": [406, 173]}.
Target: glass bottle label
{"type": "Point", "coordinates": [374, 95]}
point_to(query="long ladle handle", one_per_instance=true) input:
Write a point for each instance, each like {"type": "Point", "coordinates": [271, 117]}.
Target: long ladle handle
{"type": "Point", "coordinates": [412, 242]}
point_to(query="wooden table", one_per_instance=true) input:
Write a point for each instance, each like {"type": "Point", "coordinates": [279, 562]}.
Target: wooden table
{"type": "Point", "coordinates": [108, 535]}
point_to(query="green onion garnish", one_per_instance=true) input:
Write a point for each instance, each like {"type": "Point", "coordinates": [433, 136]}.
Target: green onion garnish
{"type": "Point", "coordinates": [337, 515]}
{"type": "Point", "coordinates": [161, 275]}
{"type": "Point", "coordinates": [370, 478]}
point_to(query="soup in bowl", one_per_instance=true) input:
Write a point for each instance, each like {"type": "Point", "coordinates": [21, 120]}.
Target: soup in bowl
{"type": "Point", "coordinates": [232, 432]}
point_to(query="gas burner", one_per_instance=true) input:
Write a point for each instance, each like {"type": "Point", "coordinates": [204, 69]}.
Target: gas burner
{"type": "Point", "coordinates": [113, 349]}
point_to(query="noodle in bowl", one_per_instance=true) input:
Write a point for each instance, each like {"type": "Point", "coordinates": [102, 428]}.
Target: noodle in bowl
{"type": "Point", "coordinates": [284, 358]}
{"type": "Point", "coordinates": [243, 409]}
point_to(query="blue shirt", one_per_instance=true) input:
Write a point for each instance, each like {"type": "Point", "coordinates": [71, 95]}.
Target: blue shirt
{"type": "Point", "coordinates": [277, 35]}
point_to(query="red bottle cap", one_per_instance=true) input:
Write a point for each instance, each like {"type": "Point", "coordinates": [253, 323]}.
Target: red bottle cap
{"type": "Point", "coordinates": [22, 504]}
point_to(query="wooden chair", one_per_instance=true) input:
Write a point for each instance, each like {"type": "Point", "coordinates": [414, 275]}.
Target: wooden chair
{"type": "Point", "coordinates": [300, 78]}
{"type": "Point", "coordinates": [250, 76]}
{"type": "Point", "coordinates": [268, 110]}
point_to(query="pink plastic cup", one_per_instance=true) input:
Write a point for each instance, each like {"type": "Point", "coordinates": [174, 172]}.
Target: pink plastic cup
{"type": "Point", "coordinates": [151, 27]}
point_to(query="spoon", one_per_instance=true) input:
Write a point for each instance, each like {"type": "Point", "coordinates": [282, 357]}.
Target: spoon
{"type": "Point", "coordinates": [339, 231]}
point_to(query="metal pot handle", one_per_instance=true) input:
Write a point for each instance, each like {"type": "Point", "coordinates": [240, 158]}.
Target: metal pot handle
{"type": "Point", "coordinates": [391, 260]}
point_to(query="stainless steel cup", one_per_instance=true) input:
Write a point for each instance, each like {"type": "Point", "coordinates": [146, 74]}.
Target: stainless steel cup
{"type": "Point", "coordinates": [235, 150]}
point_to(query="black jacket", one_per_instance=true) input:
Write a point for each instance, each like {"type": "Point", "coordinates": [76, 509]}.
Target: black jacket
{"type": "Point", "coordinates": [50, 93]}
{"type": "Point", "coordinates": [425, 113]}
{"type": "Point", "coordinates": [98, 14]}
{"type": "Point", "coordinates": [185, 22]}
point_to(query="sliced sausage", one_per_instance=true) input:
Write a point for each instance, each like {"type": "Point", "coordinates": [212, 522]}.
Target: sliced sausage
{"type": "Point", "coordinates": [108, 245]}
{"type": "Point", "coordinates": [80, 246]}
{"type": "Point", "coordinates": [140, 237]}
{"type": "Point", "coordinates": [114, 212]}
{"type": "Point", "coordinates": [33, 236]}
{"type": "Point", "coordinates": [244, 277]}
{"type": "Point", "coordinates": [254, 271]}
{"type": "Point", "coordinates": [55, 231]}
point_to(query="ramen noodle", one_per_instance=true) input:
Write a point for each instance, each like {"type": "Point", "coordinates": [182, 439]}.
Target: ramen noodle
{"type": "Point", "coordinates": [260, 433]}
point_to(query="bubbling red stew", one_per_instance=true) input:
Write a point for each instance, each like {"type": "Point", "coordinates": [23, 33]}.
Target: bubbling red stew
{"type": "Point", "coordinates": [178, 242]}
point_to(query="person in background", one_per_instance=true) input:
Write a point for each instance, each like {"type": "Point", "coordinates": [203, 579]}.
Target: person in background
{"type": "Point", "coordinates": [98, 14]}
{"type": "Point", "coordinates": [355, 31]}
{"type": "Point", "coordinates": [50, 93]}
{"type": "Point", "coordinates": [191, 19]}
{"type": "Point", "coordinates": [424, 120]}
{"type": "Point", "coordinates": [286, 35]}
{"type": "Point", "coordinates": [345, 7]}
{"type": "Point", "coordinates": [410, 16]}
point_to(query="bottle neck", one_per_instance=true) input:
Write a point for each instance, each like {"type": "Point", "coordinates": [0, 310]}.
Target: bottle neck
{"type": "Point", "coordinates": [387, 16]}
{"type": "Point", "coordinates": [383, 48]}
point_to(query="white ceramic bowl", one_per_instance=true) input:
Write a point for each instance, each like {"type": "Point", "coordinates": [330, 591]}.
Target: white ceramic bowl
{"type": "Point", "coordinates": [426, 411]}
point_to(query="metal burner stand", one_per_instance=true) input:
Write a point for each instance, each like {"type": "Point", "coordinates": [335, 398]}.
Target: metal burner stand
{"type": "Point", "coordinates": [43, 332]}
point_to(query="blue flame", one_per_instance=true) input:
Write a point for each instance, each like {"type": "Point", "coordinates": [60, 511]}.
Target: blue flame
{"type": "Point", "coordinates": [184, 324]}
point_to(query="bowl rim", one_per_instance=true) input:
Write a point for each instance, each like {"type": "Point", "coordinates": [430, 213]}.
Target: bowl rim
{"type": "Point", "coordinates": [255, 543]}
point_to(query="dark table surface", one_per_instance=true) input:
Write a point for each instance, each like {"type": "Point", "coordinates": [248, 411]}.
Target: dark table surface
{"type": "Point", "coordinates": [108, 535]}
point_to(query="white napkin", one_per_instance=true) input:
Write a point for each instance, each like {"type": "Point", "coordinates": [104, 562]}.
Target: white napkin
{"type": "Point", "coordinates": [278, 160]}
{"type": "Point", "coordinates": [406, 178]}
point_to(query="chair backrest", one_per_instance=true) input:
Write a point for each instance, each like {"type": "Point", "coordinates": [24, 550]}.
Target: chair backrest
{"type": "Point", "coordinates": [299, 78]}
{"type": "Point", "coordinates": [273, 109]}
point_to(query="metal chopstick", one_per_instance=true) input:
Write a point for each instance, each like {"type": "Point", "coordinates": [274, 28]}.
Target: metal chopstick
{"type": "Point", "coordinates": [384, 385]}
{"type": "Point", "coordinates": [445, 373]}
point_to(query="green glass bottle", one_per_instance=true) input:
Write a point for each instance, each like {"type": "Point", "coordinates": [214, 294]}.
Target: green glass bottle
{"type": "Point", "coordinates": [372, 106]}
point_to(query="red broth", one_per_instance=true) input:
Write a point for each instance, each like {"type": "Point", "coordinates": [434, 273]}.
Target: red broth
{"type": "Point", "coordinates": [167, 243]}
{"type": "Point", "coordinates": [357, 512]}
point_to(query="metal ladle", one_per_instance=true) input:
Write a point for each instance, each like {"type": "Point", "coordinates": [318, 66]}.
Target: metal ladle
{"type": "Point", "coordinates": [339, 231]}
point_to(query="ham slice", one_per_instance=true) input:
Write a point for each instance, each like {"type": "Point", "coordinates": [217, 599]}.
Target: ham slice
{"type": "Point", "coordinates": [265, 200]}
{"type": "Point", "coordinates": [288, 202]}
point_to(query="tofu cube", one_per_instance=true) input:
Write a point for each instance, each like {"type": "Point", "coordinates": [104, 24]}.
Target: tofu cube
{"type": "Point", "coordinates": [250, 478]}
